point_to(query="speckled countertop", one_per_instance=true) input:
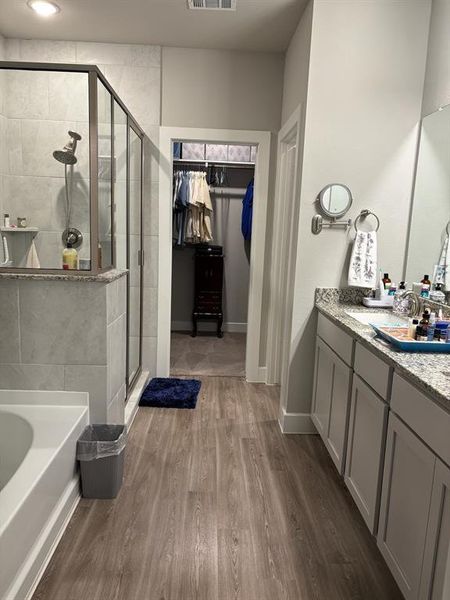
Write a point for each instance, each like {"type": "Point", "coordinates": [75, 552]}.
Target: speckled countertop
{"type": "Point", "coordinates": [427, 371]}
{"type": "Point", "coordinates": [106, 277]}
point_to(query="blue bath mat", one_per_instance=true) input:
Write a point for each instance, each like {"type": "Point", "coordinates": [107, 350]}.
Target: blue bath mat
{"type": "Point", "coordinates": [169, 392]}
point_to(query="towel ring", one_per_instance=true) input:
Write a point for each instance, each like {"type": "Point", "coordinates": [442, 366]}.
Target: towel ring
{"type": "Point", "coordinates": [362, 215]}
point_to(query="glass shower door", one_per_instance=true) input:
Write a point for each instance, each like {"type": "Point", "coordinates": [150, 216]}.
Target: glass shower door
{"type": "Point", "coordinates": [134, 255]}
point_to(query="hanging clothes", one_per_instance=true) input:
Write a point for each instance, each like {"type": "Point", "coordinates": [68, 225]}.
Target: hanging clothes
{"type": "Point", "coordinates": [192, 208]}
{"type": "Point", "coordinates": [247, 212]}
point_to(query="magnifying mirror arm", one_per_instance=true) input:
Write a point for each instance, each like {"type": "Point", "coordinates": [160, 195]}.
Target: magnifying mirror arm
{"type": "Point", "coordinates": [318, 223]}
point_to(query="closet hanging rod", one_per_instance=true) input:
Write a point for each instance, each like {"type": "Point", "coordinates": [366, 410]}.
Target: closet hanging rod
{"type": "Point", "coordinates": [214, 163]}
{"type": "Point", "coordinates": [228, 191]}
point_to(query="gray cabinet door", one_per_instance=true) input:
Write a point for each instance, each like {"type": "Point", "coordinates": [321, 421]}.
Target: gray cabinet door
{"type": "Point", "coordinates": [366, 436]}
{"type": "Point", "coordinates": [435, 584]}
{"type": "Point", "coordinates": [405, 505]}
{"type": "Point", "coordinates": [331, 401]}
{"type": "Point", "coordinates": [323, 375]}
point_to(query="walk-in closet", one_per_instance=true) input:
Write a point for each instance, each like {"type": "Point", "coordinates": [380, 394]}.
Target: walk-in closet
{"type": "Point", "coordinates": [211, 240]}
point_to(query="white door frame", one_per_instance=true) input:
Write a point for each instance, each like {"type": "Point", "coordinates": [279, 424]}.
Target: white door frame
{"type": "Point", "coordinates": [254, 371]}
{"type": "Point", "coordinates": [284, 248]}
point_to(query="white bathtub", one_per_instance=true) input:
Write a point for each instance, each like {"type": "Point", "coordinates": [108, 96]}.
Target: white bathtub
{"type": "Point", "coordinates": [39, 484]}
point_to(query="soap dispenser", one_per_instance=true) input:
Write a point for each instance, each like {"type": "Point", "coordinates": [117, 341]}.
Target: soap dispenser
{"type": "Point", "coordinates": [401, 304]}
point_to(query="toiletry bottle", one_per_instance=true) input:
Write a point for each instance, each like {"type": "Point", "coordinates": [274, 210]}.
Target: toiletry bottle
{"type": "Point", "coordinates": [424, 322]}
{"type": "Point", "coordinates": [437, 295]}
{"type": "Point", "coordinates": [421, 334]}
{"type": "Point", "coordinates": [70, 257]}
{"type": "Point", "coordinates": [412, 328]}
{"type": "Point", "coordinates": [401, 304]}
{"type": "Point", "coordinates": [431, 327]}
{"type": "Point", "coordinates": [6, 221]}
{"type": "Point", "coordinates": [426, 280]}
{"type": "Point", "coordinates": [99, 255]}
{"type": "Point", "coordinates": [386, 281]}
{"type": "Point", "coordinates": [425, 291]}
{"type": "Point", "coordinates": [392, 289]}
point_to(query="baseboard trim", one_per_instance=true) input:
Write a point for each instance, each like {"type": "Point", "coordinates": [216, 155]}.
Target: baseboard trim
{"type": "Point", "coordinates": [300, 423]}
{"type": "Point", "coordinates": [45, 546]}
{"type": "Point", "coordinates": [229, 326]}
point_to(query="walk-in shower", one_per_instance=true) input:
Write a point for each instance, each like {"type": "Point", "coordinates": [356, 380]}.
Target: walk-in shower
{"type": "Point", "coordinates": [66, 164]}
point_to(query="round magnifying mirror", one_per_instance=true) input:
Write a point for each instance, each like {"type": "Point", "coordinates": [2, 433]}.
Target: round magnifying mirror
{"type": "Point", "coordinates": [335, 199]}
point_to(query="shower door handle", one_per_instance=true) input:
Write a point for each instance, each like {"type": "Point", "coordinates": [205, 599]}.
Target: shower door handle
{"type": "Point", "coordinates": [140, 258]}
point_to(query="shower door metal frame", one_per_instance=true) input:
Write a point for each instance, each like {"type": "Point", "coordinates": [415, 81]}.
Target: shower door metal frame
{"type": "Point", "coordinates": [94, 74]}
{"type": "Point", "coordinates": [130, 383]}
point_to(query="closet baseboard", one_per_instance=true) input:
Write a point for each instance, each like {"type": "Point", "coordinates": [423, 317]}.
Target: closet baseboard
{"type": "Point", "coordinates": [229, 327]}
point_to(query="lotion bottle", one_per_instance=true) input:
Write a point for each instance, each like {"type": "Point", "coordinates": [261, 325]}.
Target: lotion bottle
{"type": "Point", "coordinates": [70, 257]}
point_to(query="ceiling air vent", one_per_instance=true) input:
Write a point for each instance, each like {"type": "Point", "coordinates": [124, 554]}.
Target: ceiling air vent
{"type": "Point", "coordinates": [212, 4]}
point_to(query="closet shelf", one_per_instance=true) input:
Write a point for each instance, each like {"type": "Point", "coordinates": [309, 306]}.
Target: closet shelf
{"type": "Point", "coordinates": [219, 163]}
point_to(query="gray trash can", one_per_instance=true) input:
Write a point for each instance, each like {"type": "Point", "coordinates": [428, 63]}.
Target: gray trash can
{"type": "Point", "coordinates": [101, 452]}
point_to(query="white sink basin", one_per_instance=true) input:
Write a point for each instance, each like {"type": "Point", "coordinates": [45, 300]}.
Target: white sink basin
{"type": "Point", "coordinates": [377, 318]}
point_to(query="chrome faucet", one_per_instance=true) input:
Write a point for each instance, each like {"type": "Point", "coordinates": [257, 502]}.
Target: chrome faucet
{"type": "Point", "coordinates": [416, 305]}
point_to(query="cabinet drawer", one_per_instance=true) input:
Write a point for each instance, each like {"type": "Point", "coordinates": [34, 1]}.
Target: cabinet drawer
{"type": "Point", "coordinates": [428, 420]}
{"type": "Point", "coordinates": [337, 339]}
{"type": "Point", "coordinates": [373, 370]}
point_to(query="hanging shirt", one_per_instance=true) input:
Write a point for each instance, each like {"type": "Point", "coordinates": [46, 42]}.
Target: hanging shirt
{"type": "Point", "coordinates": [247, 212]}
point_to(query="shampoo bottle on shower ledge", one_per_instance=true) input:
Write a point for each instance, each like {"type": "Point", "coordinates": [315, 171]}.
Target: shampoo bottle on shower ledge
{"type": "Point", "coordinates": [70, 258]}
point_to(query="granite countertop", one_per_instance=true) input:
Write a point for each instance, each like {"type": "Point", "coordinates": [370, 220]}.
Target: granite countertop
{"type": "Point", "coordinates": [427, 371]}
{"type": "Point", "coordinates": [106, 277]}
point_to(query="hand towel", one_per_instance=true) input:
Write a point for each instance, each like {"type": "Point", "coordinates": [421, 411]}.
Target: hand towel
{"type": "Point", "coordinates": [443, 271]}
{"type": "Point", "coordinates": [32, 257]}
{"type": "Point", "coordinates": [363, 262]}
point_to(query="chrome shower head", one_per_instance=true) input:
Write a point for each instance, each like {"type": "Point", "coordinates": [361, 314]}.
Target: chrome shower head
{"type": "Point", "coordinates": [66, 156]}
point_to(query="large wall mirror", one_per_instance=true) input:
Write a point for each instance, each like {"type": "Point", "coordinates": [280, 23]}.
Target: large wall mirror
{"type": "Point", "coordinates": [428, 249]}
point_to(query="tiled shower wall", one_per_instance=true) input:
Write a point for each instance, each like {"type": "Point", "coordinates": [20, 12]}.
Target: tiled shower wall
{"type": "Point", "coordinates": [134, 71]}
{"type": "Point", "coordinates": [40, 108]}
{"type": "Point", "coordinates": [66, 335]}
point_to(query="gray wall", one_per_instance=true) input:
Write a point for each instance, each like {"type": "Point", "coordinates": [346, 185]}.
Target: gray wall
{"type": "Point", "coordinates": [362, 115]}
{"type": "Point", "coordinates": [437, 79]}
{"type": "Point", "coordinates": [227, 90]}
{"type": "Point", "coordinates": [221, 89]}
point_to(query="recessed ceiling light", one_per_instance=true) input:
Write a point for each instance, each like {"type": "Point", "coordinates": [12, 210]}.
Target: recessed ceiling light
{"type": "Point", "coordinates": [43, 8]}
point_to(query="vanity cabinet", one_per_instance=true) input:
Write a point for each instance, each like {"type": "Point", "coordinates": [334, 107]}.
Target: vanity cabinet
{"type": "Point", "coordinates": [331, 401]}
{"type": "Point", "coordinates": [405, 505]}
{"type": "Point", "coordinates": [435, 583]}
{"type": "Point", "coordinates": [414, 533]}
{"type": "Point", "coordinates": [365, 450]}
{"type": "Point", "coordinates": [392, 443]}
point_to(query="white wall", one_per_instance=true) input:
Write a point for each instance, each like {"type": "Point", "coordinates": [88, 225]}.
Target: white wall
{"type": "Point", "coordinates": [437, 80]}
{"type": "Point", "coordinates": [134, 71]}
{"type": "Point", "coordinates": [296, 66]}
{"type": "Point", "coordinates": [364, 101]}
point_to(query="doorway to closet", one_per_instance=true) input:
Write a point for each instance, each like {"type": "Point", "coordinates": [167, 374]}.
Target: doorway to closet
{"type": "Point", "coordinates": [211, 277]}
{"type": "Point", "coordinates": [211, 229]}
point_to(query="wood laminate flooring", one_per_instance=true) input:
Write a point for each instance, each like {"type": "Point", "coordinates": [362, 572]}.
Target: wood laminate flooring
{"type": "Point", "coordinates": [207, 354]}
{"type": "Point", "coordinates": [218, 505]}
